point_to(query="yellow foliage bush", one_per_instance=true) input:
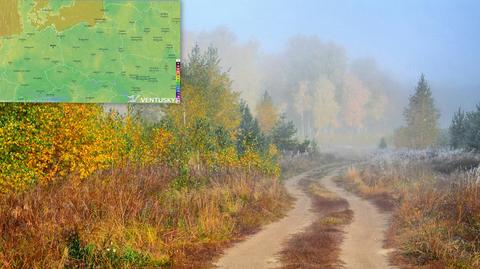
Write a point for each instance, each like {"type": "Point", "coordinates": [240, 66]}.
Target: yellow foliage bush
{"type": "Point", "coordinates": [160, 150]}
{"type": "Point", "coordinates": [226, 158]}
{"type": "Point", "coordinates": [41, 142]}
{"type": "Point", "coordinates": [267, 164]}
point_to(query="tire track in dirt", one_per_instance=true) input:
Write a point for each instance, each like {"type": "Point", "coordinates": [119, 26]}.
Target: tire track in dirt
{"type": "Point", "coordinates": [261, 249]}
{"type": "Point", "coordinates": [362, 247]}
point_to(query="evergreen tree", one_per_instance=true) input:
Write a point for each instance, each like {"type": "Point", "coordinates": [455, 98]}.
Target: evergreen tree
{"type": "Point", "coordinates": [457, 130]}
{"type": "Point", "coordinates": [421, 117]}
{"type": "Point", "coordinates": [283, 135]}
{"type": "Point", "coordinates": [249, 135]}
{"type": "Point", "coordinates": [304, 146]}
{"type": "Point", "coordinates": [383, 143]}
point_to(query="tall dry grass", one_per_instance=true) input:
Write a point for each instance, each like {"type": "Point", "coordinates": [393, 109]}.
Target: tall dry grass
{"type": "Point", "coordinates": [134, 217]}
{"type": "Point", "coordinates": [436, 208]}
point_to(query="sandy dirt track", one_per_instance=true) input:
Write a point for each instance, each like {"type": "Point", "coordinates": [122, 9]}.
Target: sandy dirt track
{"type": "Point", "coordinates": [259, 250]}
{"type": "Point", "coordinates": [362, 246]}
{"type": "Point", "coordinates": [361, 249]}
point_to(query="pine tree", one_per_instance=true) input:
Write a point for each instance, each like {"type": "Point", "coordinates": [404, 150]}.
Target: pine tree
{"type": "Point", "coordinates": [383, 143]}
{"type": "Point", "coordinates": [422, 117]}
{"type": "Point", "coordinates": [249, 135]}
{"type": "Point", "coordinates": [283, 135]}
{"type": "Point", "coordinates": [457, 130]}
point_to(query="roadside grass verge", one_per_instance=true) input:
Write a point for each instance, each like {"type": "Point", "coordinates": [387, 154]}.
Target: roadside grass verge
{"type": "Point", "coordinates": [135, 217]}
{"type": "Point", "coordinates": [378, 192]}
{"type": "Point", "coordinates": [435, 204]}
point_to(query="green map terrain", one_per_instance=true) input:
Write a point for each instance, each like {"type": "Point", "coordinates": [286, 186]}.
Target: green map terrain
{"type": "Point", "coordinates": [89, 51]}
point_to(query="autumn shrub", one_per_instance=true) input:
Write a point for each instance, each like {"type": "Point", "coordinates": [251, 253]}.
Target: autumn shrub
{"type": "Point", "coordinates": [39, 143]}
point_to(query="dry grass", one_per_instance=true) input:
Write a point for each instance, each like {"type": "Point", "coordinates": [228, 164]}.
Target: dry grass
{"type": "Point", "coordinates": [363, 185]}
{"type": "Point", "coordinates": [436, 217]}
{"type": "Point", "coordinates": [441, 225]}
{"type": "Point", "coordinates": [319, 245]}
{"type": "Point", "coordinates": [134, 217]}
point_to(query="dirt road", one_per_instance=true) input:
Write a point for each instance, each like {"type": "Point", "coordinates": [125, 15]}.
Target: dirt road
{"type": "Point", "coordinates": [362, 247]}
{"type": "Point", "coordinates": [259, 250]}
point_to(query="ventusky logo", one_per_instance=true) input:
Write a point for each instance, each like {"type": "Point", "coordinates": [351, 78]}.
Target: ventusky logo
{"type": "Point", "coordinates": [140, 99]}
{"type": "Point", "coordinates": [133, 98]}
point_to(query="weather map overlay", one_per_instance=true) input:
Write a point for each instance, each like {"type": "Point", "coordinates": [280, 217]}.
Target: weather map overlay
{"type": "Point", "coordinates": [90, 51]}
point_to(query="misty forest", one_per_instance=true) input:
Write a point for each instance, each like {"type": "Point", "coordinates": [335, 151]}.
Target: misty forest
{"type": "Point", "coordinates": [304, 157]}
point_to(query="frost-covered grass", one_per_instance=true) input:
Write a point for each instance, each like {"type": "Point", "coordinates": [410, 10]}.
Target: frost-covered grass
{"type": "Point", "coordinates": [435, 197]}
{"type": "Point", "coordinates": [430, 155]}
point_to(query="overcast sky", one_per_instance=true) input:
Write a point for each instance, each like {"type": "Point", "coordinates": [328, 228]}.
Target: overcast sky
{"type": "Point", "coordinates": [439, 38]}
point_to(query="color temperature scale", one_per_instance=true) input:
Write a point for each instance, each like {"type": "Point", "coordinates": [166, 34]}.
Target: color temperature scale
{"type": "Point", "coordinates": [178, 95]}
